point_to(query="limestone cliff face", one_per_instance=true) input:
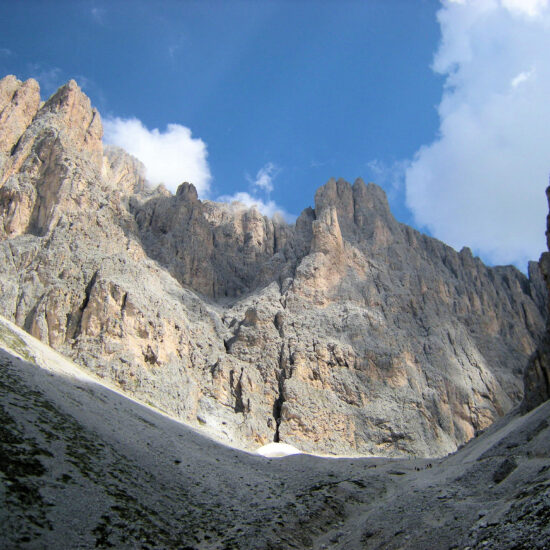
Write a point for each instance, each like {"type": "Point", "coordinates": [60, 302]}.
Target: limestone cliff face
{"type": "Point", "coordinates": [537, 373]}
{"type": "Point", "coordinates": [218, 250]}
{"type": "Point", "coordinates": [346, 333]}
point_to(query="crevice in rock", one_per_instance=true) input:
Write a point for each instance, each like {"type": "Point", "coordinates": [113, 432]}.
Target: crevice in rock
{"type": "Point", "coordinates": [27, 326]}
{"type": "Point", "coordinates": [15, 146]}
{"type": "Point", "coordinates": [77, 321]}
{"type": "Point", "coordinates": [149, 355]}
{"type": "Point", "coordinates": [229, 342]}
{"type": "Point", "coordinates": [280, 284]}
{"type": "Point", "coordinates": [88, 291]}
{"type": "Point", "coordinates": [278, 405]}
{"type": "Point", "coordinates": [278, 322]}
{"type": "Point", "coordinates": [237, 392]}
{"type": "Point", "coordinates": [505, 468]}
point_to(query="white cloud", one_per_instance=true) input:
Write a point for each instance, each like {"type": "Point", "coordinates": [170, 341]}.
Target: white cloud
{"type": "Point", "coordinates": [262, 183]}
{"type": "Point", "coordinates": [532, 8]}
{"type": "Point", "coordinates": [268, 208]}
{"type": "Point", "coordinates": [481, 182]}
{"type": "Point", "coordinates": [264, 177]}
{"type": "Point", "coordinates": [522, 77]}
{"type": "Point", "coordinates": [170, 157]}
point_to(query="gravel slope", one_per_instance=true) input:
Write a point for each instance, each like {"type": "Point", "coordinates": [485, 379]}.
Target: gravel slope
{"type": "Point", "coordinates": [83, 466]}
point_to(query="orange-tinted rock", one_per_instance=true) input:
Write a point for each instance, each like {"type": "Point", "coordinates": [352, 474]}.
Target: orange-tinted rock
{"type": "Point", "coordinates": [19, 102]}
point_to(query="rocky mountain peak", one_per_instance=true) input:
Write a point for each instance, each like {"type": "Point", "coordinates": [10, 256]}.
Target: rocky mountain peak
{"type": "Point", "coordinates": [77, 117]}
{"type": "Point", "coordinates": [122, 171]}
{"type": "Point", "coordinates": [348, 198]}
{"type": "Point", "coordinates": [19, 102]}
{"type": "Point", "coordinates": [370, 197]}
{"type": "Point", "coordinates": [327, 237]}
{"type": "Point", "coordinates": [66, 97]}
{"type": "Point", "coordinates": [362, 210]}
{"type": "Point", "coordinates": [58, 144]}
{"type": "Point", "coordinates": [187, 192]}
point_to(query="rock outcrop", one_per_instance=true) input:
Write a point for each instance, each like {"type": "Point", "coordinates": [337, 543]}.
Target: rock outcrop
{"type": "Point", "coordinates": [19, 103]}
{"type": "Point", "coordinates": [346, 333]}
{"type": "Point", "coordinates": [537, 373]}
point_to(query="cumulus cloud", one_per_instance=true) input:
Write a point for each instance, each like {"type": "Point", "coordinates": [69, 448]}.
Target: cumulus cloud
{"type": "Point", "coordinates": [268, 208]}
{"type": "Point", "coordinates": [526, 7]}
{"type": "Point", "coordinates": [262, 183]}
{"type": "Point", "coordinates": [481, 182]}
{"type": "Point", "coordinates": [264, 177]}
{"type": "Point", "coordinates": [170, 157]}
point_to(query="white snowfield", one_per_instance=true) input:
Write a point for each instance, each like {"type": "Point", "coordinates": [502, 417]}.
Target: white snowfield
{"type": "Point", "coordinates": [277, 450]}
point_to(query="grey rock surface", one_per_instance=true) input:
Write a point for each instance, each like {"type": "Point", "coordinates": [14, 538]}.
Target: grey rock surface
{"type": "Point", "coordinates": [346, 333]}
{"type": "Point", "coordinates": [537, 373]}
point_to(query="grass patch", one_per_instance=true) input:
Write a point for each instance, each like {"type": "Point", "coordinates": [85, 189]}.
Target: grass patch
{"type": "Point", "coordinates": [15, 343]}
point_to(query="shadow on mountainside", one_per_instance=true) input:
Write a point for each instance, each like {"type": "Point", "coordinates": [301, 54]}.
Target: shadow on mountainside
{"type": "Point", "coordinates": [219, 250]}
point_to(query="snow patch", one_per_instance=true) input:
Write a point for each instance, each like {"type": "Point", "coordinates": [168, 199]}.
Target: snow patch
{"type": "Point", "coordinates": [276, 450]}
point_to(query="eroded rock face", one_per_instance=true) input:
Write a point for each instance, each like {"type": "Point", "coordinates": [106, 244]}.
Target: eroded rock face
{"type": "Point", "coordinates": [347, 333]}
{"type": "Point", "coordinates": [537, 373]}
{"type": "Point", "coordinates": [217, 249]}
{"type": "Point", "coordinates": [19, 102]}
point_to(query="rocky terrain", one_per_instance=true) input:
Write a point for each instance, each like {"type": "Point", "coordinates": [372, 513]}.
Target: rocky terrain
{"type": "Point", "coordinates": [537, 374]}
{"type": "Point", "coordinates": [347, 333]}
{"type": "Point", "coordinates": [82, 466]}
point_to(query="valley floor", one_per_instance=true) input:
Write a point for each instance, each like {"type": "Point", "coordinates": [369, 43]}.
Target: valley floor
{"type": "Point", "coordinates": [82, 466]}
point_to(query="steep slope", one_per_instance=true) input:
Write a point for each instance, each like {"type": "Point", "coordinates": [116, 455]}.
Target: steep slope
{"type": "Point", "coordinates": [347, 333]}
{"type": "Point", "coordinates": [537, 373]}
{"type": "Point", "coordinates": [85, 467]}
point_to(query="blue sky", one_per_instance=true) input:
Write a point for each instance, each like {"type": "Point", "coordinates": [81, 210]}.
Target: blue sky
{"type": "Point", "coordinates": [266, 100]}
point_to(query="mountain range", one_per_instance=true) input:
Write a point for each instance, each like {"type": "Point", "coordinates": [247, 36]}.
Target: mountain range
{"type": "Point", "coordinates": [347, 333]}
